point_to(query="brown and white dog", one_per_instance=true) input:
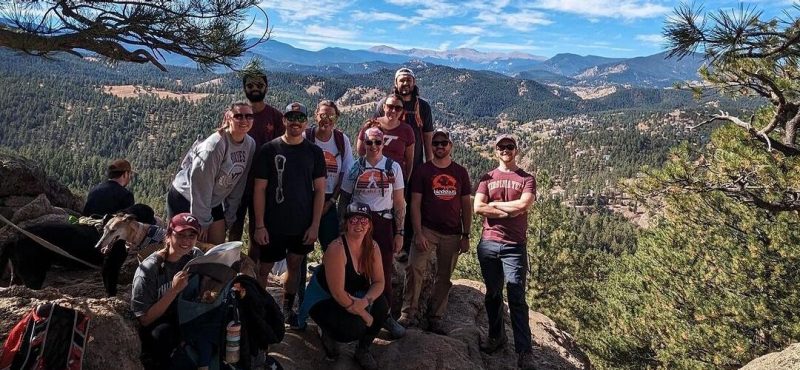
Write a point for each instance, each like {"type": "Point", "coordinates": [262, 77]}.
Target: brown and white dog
{"type": "Point", "coordinates": [144, 239]}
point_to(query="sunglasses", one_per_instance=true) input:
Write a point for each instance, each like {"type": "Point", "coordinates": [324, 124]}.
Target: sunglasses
{"type": "Point", "coordinates": [398, 108]}
{"type": "Point", "coordinates": [255, 86]}
{"type": "Point", "coordinates": [442, 143]}
{"type": "Point", "coordinates": [502, 147]}
{"type": "Point", "coordinates": [355, 220]}
{"type": "Point", "coordinates": [296, 118]}
{"type": "Point", "coordinates": [240, 116]}
{"type": "Point", "coordinates": [371, 142]}
{"type": "Point", "coordinates": [331, 117]}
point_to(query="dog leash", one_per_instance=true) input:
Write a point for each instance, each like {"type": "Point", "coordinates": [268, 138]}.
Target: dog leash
{"type": "Point", "coordinates": [46, 244]}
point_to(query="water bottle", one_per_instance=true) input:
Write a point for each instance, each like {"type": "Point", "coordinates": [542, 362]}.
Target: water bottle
{"type": "Point", "coordinates": [232, 337]}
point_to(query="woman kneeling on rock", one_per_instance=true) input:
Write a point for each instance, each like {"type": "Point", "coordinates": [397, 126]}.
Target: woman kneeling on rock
{"type": "Point", "coordinates": [345, 296]}
{"type": "Point", "coordinates": [157, 282]}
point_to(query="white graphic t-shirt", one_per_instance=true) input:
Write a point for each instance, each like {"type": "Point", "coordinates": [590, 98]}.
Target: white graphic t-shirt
{"type": "Point", "coordinates": [374, 185]}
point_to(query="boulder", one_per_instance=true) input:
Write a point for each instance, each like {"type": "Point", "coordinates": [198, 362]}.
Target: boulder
{"type": "Point", "coordinates": [788, 359]}
{"type": "Point", "coordinates": [113, 341]}
{"type": "Point", "coordinates": [23, 178]}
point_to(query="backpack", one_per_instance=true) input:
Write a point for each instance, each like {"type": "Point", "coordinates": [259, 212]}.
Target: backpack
{"type": "Point", "coordinates": [48, 337]}
{"type": "Point", "coordinates": [338, 139]}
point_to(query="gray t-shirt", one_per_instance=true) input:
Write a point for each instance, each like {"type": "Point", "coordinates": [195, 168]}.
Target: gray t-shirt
{"type": "Point", "coordinates": [152, 280]}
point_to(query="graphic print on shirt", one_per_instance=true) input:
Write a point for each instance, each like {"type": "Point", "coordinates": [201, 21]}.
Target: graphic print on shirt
{"type": "Point", "coordinates": [445, 187]}
{"type": "Point", "coordinates": [504, 184]}
{"type": "Point", "coordinates": [373, 180]}
{"type": "Point", "coordinates": [388, 139]}
{"type": "Point", "coordinates": [280, 165]}
{"type": "Point", "coordinates": [230, 176]}
{"type": "Point", "coordinates": [330, 162]}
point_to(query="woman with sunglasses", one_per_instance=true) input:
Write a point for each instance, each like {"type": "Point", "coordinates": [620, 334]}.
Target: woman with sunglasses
{"type": "Point", "coordinates": [399, 137]}
{"type": "Point", "coordinates": [345, 296]}
{"type": "Point", "coordinates": [212, 180]}
{"type": "Point", "coordinates": [378, 182]}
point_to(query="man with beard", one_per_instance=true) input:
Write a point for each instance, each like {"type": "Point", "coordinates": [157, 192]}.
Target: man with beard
{"type": "Point", "coordinates": [288, 197]}
{"type": "Point", "coordinates": [267, 125]}
{"type": "Point", "coordinates": [441, 218]}
{"type": "Point", "coordinates": [418, 116]}
{"type": "Point", "coordinates": [503, 198]}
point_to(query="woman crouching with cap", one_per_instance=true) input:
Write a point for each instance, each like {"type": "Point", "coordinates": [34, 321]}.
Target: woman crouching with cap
{"type": "Point", "coordinates": [345, 296]}
{"type": "Point", "coordinates": [157, 282]}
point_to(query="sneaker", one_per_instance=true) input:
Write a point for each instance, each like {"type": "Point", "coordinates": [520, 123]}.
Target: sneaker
{"type": "Point", "coordinates": [396, 331]}
{"type": "Point", "coordinates": [525, 360]}
{"type": "Point", "coordinates": [365, 359]}
{"type": "Point", "coordinates": [329, 345]}
{"type": "Point", "coordinates": [406, 321]}
{"type": "Point", "coordinates": [493, 344]}
{"type": "Point", "coordinates": [435, 325]}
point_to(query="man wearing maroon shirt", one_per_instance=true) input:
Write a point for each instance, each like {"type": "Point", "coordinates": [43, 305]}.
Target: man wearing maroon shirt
{"type": "Point", "coordinates": [267, 125]}
{"type": "Point", "coordinates": [441, 218]}
{"type": "Point", "coordinates": [503, 198]}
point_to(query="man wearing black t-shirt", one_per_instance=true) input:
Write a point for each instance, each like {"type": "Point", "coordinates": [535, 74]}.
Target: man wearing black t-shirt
{"type": "Point", "coordinates": [111, 196]}
{"type": "Point", "coordinates": [288, 197]}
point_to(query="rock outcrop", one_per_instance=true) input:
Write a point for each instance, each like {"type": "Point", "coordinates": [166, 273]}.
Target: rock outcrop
{"type": "Point", "coordinates": [23, 181]}
{"type": "Point", "coordinates": [788, 359]}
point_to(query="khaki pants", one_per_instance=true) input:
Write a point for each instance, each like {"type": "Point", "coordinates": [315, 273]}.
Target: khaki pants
{"type": "Point", "coordinates": [446, 248]}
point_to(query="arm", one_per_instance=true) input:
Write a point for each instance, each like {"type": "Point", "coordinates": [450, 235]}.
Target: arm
{"type": "Point", "coordinates": [179, 282]}
{"type": "Point", "coordinates": [409, 156]}
{"type": "Point", "coordinates": [416, 221]}
{"type": "Point", "coordinates": [235, 197]}
{"type": "Point", "coordinates": [399, 213]}
{"type": "Point", "coordinates": [202, 177]}
{"type": "Point", "coordinates": [514, 206]}
{"type": "Point", "coordinates": [427, 137]}
{"type": "Point", "coordinates": [259, 204]}
{"type": "Point", "coordinates": [316, 215]}
{"type": "Point", "coordinates": [360, 148]}
{"type": "Point", "coordinates": [334, 261]}
{"type": "Point", "coordinates": [482, 208]}
{"type": "Point", "coordinates": [466, 222]}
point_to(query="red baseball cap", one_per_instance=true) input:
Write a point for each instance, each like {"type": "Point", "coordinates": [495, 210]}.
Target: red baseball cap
{"type": "Point", "coordinates": [184, 221]}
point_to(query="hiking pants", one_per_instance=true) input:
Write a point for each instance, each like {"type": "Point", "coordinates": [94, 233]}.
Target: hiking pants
{"type": "Point", "coordinates": [502, 261]}
{"type": "Point", "coordinates": [446, 249]}
{"type": "Point", "coordinates": [383, 234]}
{"type": "Point", "coordinates": [345, 327]}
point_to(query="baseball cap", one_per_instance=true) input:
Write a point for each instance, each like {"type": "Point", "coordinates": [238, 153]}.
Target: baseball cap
{"type": "Point", "coordinates": [404, 71]}
{"type": "Point", "coordinates": [295, 107]}
{"type": "Point", "coordinates": [502, 137]}
{"type": "Point", "coordinates": [357, 209]}
{"type": "Point", "coordinates": [120, 165]}
{"type": "Point", "coordinates": [184, 221]}
{"type": "Point", "coordinates": [441, 131]}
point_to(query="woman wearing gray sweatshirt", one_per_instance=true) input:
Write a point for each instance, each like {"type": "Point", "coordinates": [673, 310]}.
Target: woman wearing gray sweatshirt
{"type": "Point", "coordinates": [211, 183]}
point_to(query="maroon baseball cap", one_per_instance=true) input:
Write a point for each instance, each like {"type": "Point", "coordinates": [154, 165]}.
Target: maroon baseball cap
{"type": "Point", "coordinates": [184, 221]}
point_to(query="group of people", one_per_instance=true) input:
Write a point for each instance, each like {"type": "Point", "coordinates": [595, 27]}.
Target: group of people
{"type": "Point", "coordinates": [403, 195]}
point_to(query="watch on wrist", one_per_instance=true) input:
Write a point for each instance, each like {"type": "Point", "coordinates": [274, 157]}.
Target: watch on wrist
{"type": "Point", "coordinates": [399, 232]}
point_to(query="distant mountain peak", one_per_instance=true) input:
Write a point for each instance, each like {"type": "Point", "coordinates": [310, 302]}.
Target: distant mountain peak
{"type": "Point", "coordinates": [458, 53]}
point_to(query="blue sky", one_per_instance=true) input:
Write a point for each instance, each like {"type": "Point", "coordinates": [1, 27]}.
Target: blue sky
{"type": "Point", "coordinates": [612, 28]}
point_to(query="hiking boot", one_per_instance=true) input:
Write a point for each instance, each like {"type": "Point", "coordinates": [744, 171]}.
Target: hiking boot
{"type": "Point", "coordinates": [406, 321]}
{"type": "Point", "coordinates": [396, 331]}
{"type": "Point", "coordinates": [493, 344]}
{"type": "Point", "coordinates": [525, 360]}
{"type": "Point", "coordinates": [329, 345]}
{"type": "Point", "coordinates": [365, 359]}
{"type": "Point", "coordinates": [435, 325]}
{"type": "Point", "coordinates": [294, 322]}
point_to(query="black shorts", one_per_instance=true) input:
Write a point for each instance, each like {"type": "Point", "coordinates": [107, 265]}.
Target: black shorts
{"type": "Point", "coordinates": [279, 245]}
{"type": "Point", "coordinates": [177, 203]}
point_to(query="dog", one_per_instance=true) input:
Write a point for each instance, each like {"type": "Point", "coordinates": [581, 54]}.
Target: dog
{"type": "Point", "coordinates": [30, 261]}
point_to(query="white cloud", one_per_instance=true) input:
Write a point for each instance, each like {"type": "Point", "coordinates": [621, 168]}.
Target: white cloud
{"type": "Point", "coordinates": [467, 30]}
{"type": "Point", "coordinates": [283, 34]}
{"type": "Point", "coordinates": [443, 46]}
{"type": "Point", "coordinates": [523, 20]}
{"type": "Point", "coordinates": [296, 11]}
{"type": "Point", "coordinates": [628, 9]}
{"type": "Point", "coordinates": [503, 46]}
{"type": "Point", "coordinates": [486, 5]}
{"type": "Point", "coordinates": [330, 32]}
{"type": "Point", "coordinates": [471, 42]}
{"type": "Point", "coordinates": [652, 39]}
{"type": "Point", "coordinates": [377, 16]}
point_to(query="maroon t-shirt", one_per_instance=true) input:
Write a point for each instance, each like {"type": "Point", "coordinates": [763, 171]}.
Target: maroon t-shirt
{"type": "Point", "coordinates": [502, 186]}
{"type": "Point", "coordinates": [267, 125]}
{"type": "Point", "coordinates": [441, 189]}
{"type": "Point", "coordinates": [395, 142]}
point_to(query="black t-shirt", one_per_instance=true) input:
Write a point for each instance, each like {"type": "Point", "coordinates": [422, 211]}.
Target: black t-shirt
{"type": "Point", "coordinates": [290, 171]}
{"type": "Point", "coordinates": [108, 197]}
{"type": "Point", "coordinates": [427, 124]}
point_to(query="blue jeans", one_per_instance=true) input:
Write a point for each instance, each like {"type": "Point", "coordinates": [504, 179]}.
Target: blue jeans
{"type": "Point", "coordinates": [502, 262]}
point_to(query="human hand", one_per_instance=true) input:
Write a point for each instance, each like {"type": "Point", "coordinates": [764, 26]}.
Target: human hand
{"type": "Point", "coordinates": [311, 235]}
{"type": "Point", "coordinates": [398, 244]}
{"type": "Point", "coordinates": [180, 281]}
{"type": "Point", "coordinates": [421, 242]}
{"type": "Point", "coordinates": [261, 236]}
{"type": "Point", "coordinates": [464, 243]}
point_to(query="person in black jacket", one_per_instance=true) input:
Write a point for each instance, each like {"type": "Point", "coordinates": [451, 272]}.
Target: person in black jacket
{"type": "Point", "coordinates": [111, 196]}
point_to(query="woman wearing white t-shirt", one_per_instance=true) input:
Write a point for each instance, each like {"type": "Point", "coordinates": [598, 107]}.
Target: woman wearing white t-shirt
{"type": "Point", "coordinates": [370, 180]}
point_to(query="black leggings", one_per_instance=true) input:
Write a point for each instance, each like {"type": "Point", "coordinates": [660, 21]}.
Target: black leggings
{"type": "Point", "coordinates": [159, 339]}
{"type": "Point", "coordinates": [346, 327]}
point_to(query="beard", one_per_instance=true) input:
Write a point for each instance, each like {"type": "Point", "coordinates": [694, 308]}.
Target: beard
{"type": "Point", "coordinates": [254, 96]}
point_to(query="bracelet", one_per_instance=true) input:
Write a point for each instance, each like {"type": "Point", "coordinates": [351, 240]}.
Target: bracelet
{"type": "Point", "coordinates": [399, 232]}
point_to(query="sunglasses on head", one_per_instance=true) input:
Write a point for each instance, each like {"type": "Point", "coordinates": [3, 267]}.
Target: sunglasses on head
{"type": "Point", "coordinates": [373, 142]}
{"type": "Point", "coordinates": [506, 146]}
{"type": "Point", "coordinates": [355, 220]}
{"type": "Point", "coordinates": [240, 116]}
{"type": "Point", "coordinates": [296, 118]}
{"type": "Point", "coordinates": [440, 143]}
{"type": "Point", "coordinates": [393, 107]}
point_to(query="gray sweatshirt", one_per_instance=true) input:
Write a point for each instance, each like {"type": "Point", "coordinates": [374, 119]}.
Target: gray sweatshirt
{"type": "Point", "coordinates": [218, 175]}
